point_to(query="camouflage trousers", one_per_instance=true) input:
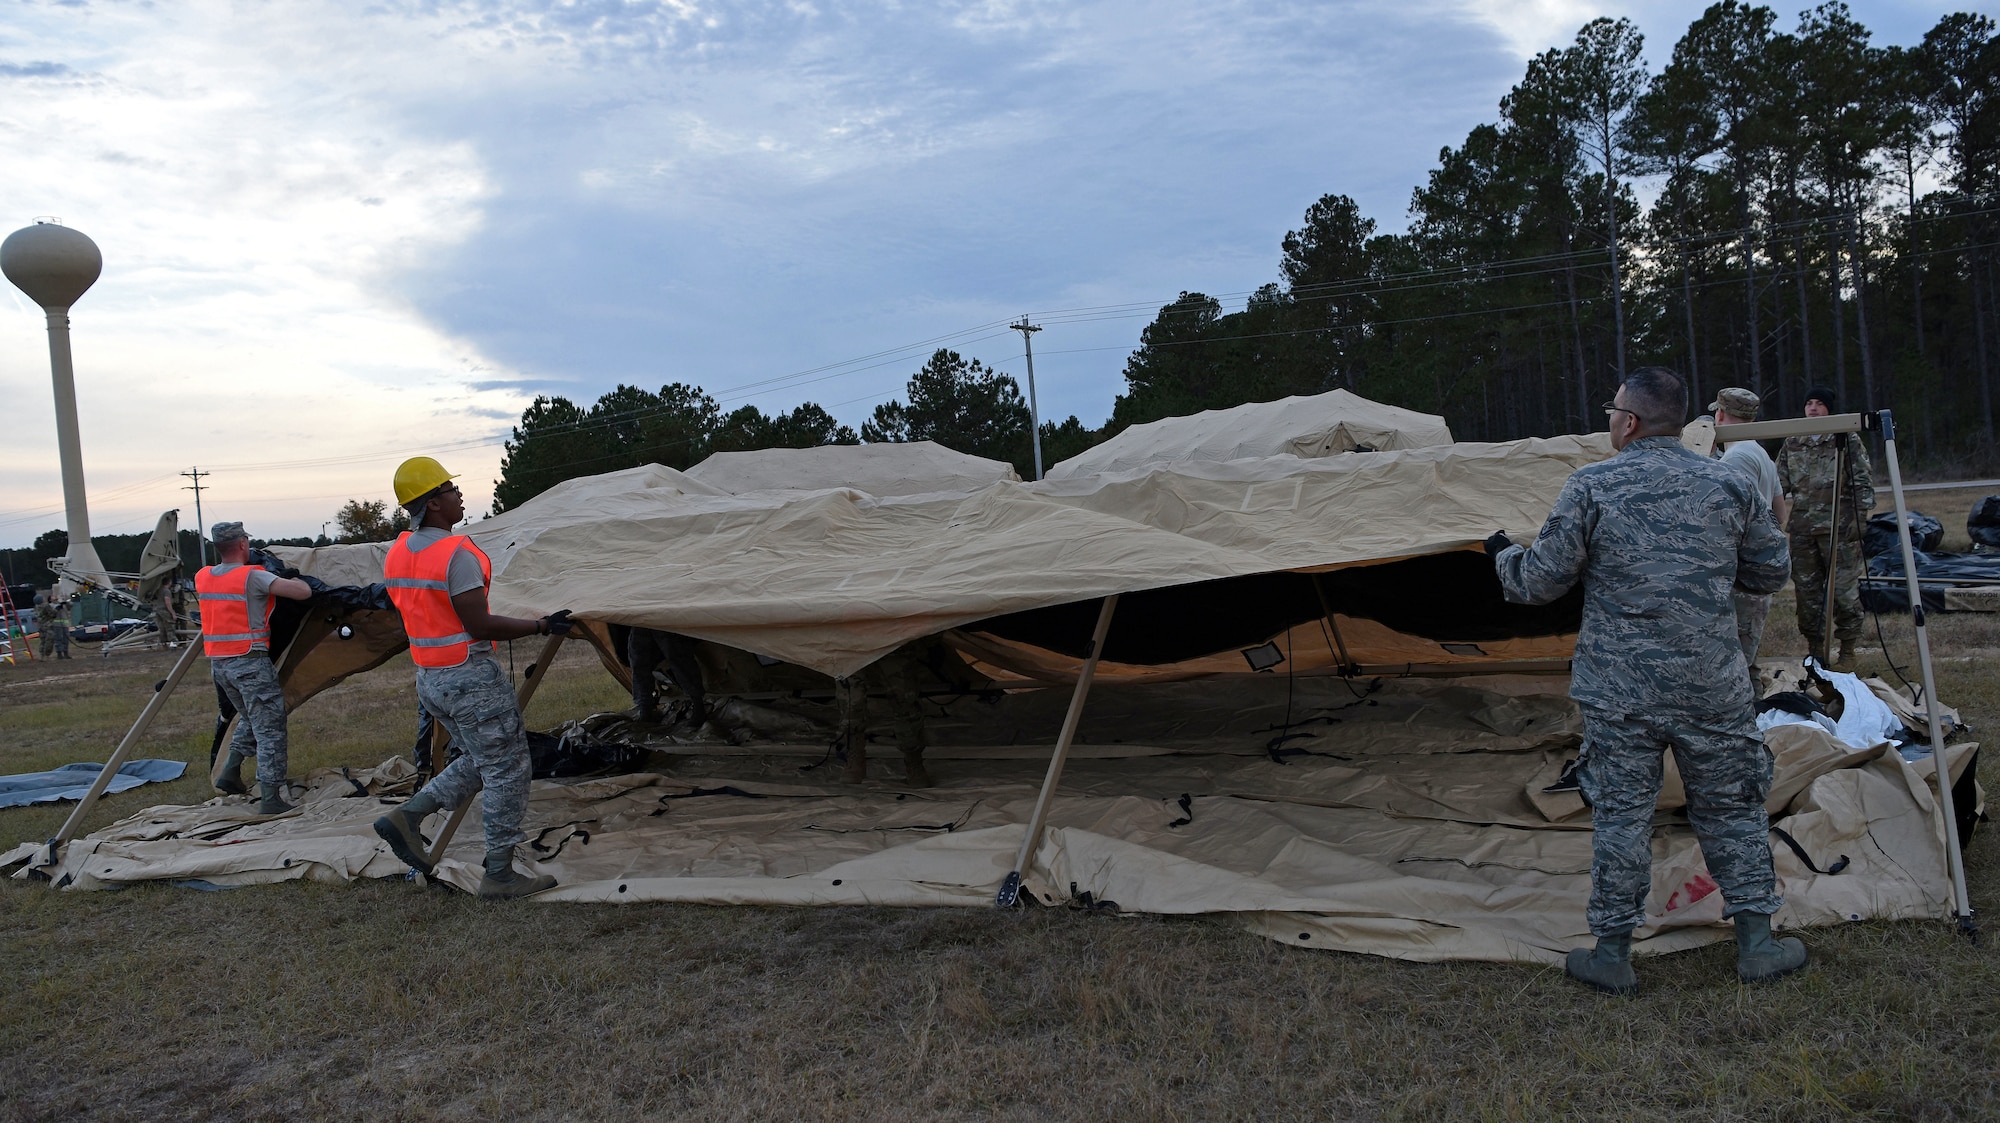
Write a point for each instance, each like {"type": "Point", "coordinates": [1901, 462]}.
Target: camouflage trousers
{"type": "Point", "coordinates": [1726, 770]}
{"type": "Point", "coordinates": [1753, 610]}
{"type": "Point", "coordinates": [250, 682]}
{"type": "Point", "coordinates": [478, 708]}
{"type": "Point", "coordinates": [1810, 558]}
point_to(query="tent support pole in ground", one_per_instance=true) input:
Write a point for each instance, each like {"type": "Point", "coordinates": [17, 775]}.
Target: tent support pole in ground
{"type": "Point", "coordinates": [1347, 667]}
{"type": "Point", "coordinates": [1954, 858]}
{"type": "Point", "coordinates": [125, 747]}
{"type": "Point", "coordinates": [537, 671]}
{"type": "Point", "coordinates": [1833, 551]}
{"type": "Point", "coordinates": [1010, 889]}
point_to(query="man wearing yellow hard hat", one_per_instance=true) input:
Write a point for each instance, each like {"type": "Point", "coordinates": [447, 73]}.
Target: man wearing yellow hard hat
{"type": "Point", "coordinates": [439, 581]}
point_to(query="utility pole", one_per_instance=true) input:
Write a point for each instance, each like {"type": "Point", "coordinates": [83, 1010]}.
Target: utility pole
{"type": "Point", "coordinates": [200, 527]}
{"type": "Point", "coordinates": [1028, 331]}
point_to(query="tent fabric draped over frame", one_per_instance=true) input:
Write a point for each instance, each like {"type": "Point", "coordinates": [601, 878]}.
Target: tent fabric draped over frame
{"type": "Point", "coordinates": [1309, 426]}
{"type": "Point", "coordinates": [834, 578]}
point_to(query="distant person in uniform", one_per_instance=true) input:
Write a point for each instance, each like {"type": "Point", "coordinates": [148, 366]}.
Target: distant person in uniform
{"type": "Point", "coordinates": [44, 610]}
{"type": "Point", "coordinates": [439, 582]}
{"type": "Point", "coordinates": [236, 635]}
{"type": "Point", "coordinates": [1660, 539]}
{"type": "Point", "coordinates": [1805, 473]}
{"type": "Point", "coordinates": [1736, 406]}
{"type": "Point", "coordinates": [56, 634]}
{"type": "Point", "coordinates": [164, 621]}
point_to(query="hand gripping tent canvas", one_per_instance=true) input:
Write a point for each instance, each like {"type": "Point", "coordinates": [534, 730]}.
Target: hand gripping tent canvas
{"type": "Point", "coordinates": [1368, 793]}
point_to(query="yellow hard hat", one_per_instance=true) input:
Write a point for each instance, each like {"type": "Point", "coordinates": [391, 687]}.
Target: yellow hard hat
{"type": "Point", "coordinates": [417, 475]}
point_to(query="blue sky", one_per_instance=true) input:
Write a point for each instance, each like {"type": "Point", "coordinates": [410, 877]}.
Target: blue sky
{"type": "Point", "coordinates": [336, 234]}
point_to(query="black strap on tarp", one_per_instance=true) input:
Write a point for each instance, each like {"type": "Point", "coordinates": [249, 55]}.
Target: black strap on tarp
{"type": "Point", "coordinates": [1799, 852]}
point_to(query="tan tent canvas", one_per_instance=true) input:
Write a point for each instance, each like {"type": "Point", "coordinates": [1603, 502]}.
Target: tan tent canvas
{"type": "Point", "coordinates": [913, 468]}
{"type": "Point", "coordinates": [832, 579]}
{"type": "Point", "coordinates": [1308, 426]}
{"type": "Point", "coordinates": [1334, 801]}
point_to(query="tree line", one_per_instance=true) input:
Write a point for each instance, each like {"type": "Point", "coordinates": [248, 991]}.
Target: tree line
{"type": "Point", "coordinates": [1776, 209]}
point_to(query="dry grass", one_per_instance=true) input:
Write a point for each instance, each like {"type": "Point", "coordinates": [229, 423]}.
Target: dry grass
{"type": "Point", "coordinates": [381, 1000]}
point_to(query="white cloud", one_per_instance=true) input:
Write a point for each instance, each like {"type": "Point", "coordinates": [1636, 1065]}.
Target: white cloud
{"type": "Point", "coordinates": [250, 212]}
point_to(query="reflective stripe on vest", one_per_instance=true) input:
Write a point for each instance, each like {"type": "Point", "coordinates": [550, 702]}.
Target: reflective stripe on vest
{"type": "Point", "coordinates": [417, 582]}
{"type": "Point", "coordinates": [226, 630]}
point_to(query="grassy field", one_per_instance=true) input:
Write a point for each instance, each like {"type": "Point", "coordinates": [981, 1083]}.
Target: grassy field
{"type": "Point", "coordinates": [385, 1001]}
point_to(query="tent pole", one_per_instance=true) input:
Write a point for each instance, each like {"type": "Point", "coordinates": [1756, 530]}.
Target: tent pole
{"type": "Point", "coordinates": [1347, 668]}
{"type": "Point", "coordinates": [1953, 856]}
{"type": "Point", "coordinates": [537, 671]}
{"type": "Point", "coordinates": [1010, 889]}
{"type": "Point", "coordinates": [1833, 551]}
{"type": "Point", "coordinates": [125, 747]}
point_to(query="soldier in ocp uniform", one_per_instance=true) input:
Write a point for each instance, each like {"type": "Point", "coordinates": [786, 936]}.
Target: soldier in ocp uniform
{"type": "Point", "coordinates": [1660, 538]}
{"type": "Point", "coordinates": [1805, 472]}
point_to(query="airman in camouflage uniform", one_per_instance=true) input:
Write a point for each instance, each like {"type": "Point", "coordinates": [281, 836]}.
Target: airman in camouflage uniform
{"type": "Point", "coordinates": [1805, 472]}
{"type": "Point", "coordinates": [439, 583]}
{"type": "Point", "coordinates": [248, 679]}
{"type": "Point", "coordinates": [1660, 537]}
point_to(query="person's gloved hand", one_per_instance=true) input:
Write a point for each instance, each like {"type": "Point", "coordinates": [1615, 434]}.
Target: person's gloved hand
{"type": "Point", "coordinates": [557, 623]}
{"type": "Point", "coordinates": [1497, 542]}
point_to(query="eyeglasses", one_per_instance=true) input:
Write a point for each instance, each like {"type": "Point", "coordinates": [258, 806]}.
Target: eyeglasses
{"type": "Point", "coordinates": [1610, 409]}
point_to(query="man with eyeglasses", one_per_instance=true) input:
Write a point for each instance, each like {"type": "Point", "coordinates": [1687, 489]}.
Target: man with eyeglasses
{"type": "Point", "coordinates": [1660, 538]}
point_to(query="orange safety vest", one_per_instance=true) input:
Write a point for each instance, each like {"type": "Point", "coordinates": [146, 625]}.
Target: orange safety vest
{"type": "Point", "coordinates": [417, 585]}
{"type": "Point", "coordinates": [226, 629]}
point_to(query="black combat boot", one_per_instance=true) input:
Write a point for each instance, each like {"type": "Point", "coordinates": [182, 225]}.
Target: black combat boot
{"type": "Point", "coordinates": [1608, 967]}
{"type": "Point", "coordinates": [231, 780]}
{"type": "Point", "coordinates": [1760, 957]}
{"type": "Point", "coordinates": [503, 883]}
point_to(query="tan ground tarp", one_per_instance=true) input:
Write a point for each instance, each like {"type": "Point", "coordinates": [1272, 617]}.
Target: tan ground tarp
{"type": "Point", "coordinates": [1413, 825]}
{"type": "Point", "coordinates": [1309, 426]}
{"type": "Point", "coordinates": [834, 579]}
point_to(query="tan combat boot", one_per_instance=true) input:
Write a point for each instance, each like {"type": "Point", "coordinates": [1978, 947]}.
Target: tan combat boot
{"type": "Point", "coordinates": [1846, 660]}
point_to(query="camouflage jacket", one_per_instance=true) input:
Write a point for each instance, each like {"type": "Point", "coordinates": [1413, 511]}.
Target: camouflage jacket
{"type": "Point", "coordinates": [1659, 537]}
{"type": "Point", "coordinates": [1805, 475]}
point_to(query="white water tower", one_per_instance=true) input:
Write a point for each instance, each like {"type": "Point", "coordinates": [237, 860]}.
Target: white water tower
{"type": "Point", "coordinates": [55, 266]}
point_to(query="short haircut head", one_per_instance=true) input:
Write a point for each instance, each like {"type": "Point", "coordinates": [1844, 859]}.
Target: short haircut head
{"type": "Point", "coordinates": [1658, 396]}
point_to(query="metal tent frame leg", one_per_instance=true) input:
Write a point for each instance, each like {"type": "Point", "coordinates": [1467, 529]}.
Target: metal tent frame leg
{"type": "Point", "coordinates": [1854, 423]}
{"type": "Point", "coordinates": [1954, 857]}
{"type": "Point", "coordinates": [1010, 889]}
{"type": "Point", "coordinates": [153, 707]}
